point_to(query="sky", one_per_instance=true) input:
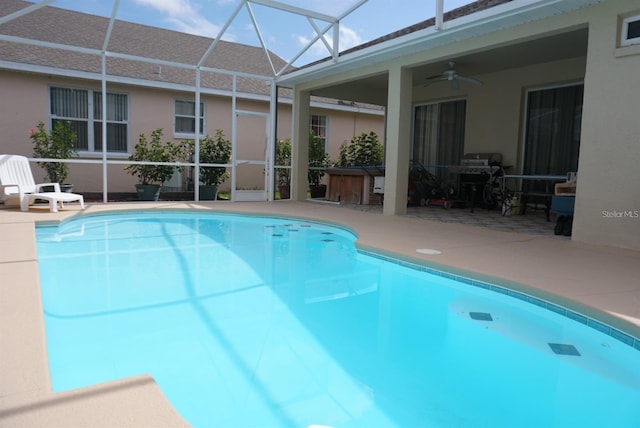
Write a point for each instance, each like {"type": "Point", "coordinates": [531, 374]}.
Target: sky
{"type": "Point", "coordinates": [284, 33]}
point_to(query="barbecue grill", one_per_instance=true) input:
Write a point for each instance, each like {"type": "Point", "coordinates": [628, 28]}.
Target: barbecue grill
{"type": "Point", "coordinates": [474, 164]}
{"type": "Point", "coordinates": [475, 170]}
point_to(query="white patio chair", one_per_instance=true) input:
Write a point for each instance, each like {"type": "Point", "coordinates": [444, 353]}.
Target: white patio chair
{"type": "Point", "coordinates": [17, 184]}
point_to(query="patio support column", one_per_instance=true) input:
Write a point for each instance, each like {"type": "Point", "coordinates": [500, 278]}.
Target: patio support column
{"type": "Point", "coordinates": [300, 145]}
{"type": "Point", "coordinates": [397, 141]}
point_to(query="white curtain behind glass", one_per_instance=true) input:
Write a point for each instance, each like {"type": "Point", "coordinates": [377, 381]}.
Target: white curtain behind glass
{"type": "Point", "coordinates": [438, 136]}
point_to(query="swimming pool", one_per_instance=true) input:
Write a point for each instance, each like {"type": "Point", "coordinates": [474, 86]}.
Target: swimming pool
{"type": "Point", "coordinates": [254, 321]}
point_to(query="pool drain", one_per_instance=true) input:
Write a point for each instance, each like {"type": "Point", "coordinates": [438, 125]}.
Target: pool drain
{"type": "Point", "coordinates": [564, 349]}
{"type": "Point", "coordinates": [481, 316]}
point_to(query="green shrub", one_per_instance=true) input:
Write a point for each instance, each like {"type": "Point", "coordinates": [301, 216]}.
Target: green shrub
{"type": "Point", "coordinates": [318, 158]}
{"type": "Point", "coordinates": [362, 150]}
{"type": "Point", "coordinates": [214, 149]}
{"type": "Point", "coordinates": [155, 151]}
{"type": "Point", "coordinates": [58, 144]}
{"type": "Point", "coordinates": [283, 158]}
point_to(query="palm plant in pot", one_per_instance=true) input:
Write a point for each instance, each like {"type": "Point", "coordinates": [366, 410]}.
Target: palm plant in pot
{"type": "Point", "coordinates": [151, 177]}
{"type": "Point", "coordinates": [318, 162]}
{"type": "Point", "coordinates": [57, 144]}
{"type": "Point", "coordinates": [283, 159]}
{"type": "Point", "coordinates": [213, 149]}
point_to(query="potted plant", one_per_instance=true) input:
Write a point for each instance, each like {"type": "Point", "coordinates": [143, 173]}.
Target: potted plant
{"type": "Point", "coordinates": [213, 149]}
{"type": "Point", "coordinates": [151, 177]}
{"type": "Point", "coordinates": [57, 144]}
{"type": "Point", "coordinates": [283, 158]}
{"type": "Point", "coordinates": [319, 159]}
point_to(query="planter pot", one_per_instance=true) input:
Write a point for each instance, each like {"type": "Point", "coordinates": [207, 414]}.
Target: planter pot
{"type": "Point", "coordinates": [148, 192]}
{"type": "Point", "coordinates": [318, 191]}
{"type": "Point", "coordinates": [66, 188]}
{"type": "Point", "coordinates": [208, 193]}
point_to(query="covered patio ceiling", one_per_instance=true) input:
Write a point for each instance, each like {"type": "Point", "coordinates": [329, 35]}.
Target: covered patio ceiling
{"type": "Point", "coordinates": [372, 89]}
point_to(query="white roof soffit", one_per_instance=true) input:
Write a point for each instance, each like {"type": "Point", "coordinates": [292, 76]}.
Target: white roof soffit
{"type": "Point", "coordinates": [486, 21]}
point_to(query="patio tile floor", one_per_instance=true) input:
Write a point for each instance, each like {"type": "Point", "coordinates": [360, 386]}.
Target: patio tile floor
{"type": "Point", "coordinates": [531, 223]}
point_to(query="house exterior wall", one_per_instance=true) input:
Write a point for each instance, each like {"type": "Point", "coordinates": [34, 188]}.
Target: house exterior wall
{"type": "Point", "coordinates": [23, 104]}
{"type": "Point", "coordinates": [25, 101]}
{"type": "Point", "coordinates": [344, 125]}
{"type": "Point", "coordinates": [608, 198]}
{"type": "Point", "coordinates": [495, 123]}
{"type": "Point", "coordinates": [608, 192]}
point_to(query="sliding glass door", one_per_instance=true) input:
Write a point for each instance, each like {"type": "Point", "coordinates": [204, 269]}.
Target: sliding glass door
{"type": "Point", "coordinates": [552, 136]}
{"type": "Point", "coordinates": [438, 136]}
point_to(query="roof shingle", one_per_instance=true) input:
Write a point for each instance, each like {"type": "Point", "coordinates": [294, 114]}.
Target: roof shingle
{"type": "Point", "coordinates": [72, 28]}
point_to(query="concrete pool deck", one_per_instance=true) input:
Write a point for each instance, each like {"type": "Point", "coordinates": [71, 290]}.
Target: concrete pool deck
{"type": "Point", "coordinates": [601, 282]}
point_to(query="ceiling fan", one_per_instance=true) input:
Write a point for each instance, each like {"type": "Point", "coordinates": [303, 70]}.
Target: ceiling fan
{"type": "Point", "coordinates": [453, 77]}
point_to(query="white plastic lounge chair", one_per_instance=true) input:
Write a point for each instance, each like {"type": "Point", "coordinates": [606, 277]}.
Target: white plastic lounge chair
{"type": "Point", "coordinates": [17, 183]}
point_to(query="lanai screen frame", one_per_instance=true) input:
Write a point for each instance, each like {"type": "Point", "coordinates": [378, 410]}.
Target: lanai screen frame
{"type": "Point", "coordinates": [333, 22]}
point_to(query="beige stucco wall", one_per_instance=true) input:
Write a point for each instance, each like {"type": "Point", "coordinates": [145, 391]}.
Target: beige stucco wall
{"type": "Point", "coordinates": [608, 193]}
{"type": "Point", "coordinates": [495, 111]}
{"type": "Point", "coordinates": [151, 109]}
{"type": "Point", "coordinates": [344, 125]}
{"type": "Point", "coordinates": [608, 198]}
{"type": "Point", "coordinates": [22, 106]}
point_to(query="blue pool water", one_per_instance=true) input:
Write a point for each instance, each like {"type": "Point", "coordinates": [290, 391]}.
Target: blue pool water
{"type": "Point", "coordinates": [263, 322]}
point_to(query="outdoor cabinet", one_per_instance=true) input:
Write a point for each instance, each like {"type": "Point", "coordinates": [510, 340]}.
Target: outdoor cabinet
{"type": "Point", "coordinates": [354, 185]}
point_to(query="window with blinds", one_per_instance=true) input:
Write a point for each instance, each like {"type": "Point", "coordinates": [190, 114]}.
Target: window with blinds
{"type": "Point", "coordinates": [83, 108]}
{"type": "Point", "coordinates": [185, 118]}
{"type": "Point", "coordinates": [318, 125]}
